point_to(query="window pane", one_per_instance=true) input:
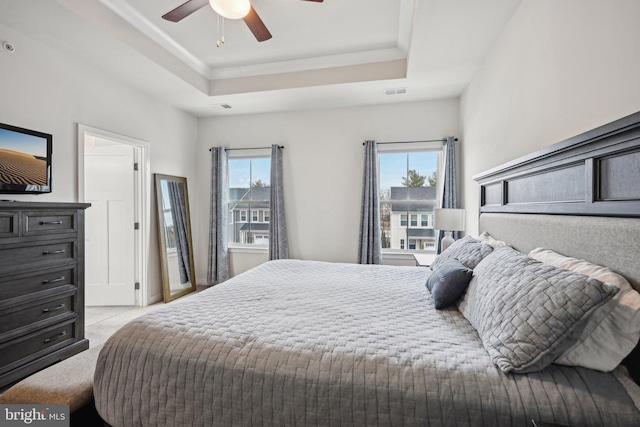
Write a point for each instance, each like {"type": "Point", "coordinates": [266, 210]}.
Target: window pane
{"type": "Point", "coordinates": [249, 193]}
{"type": "Point", "coordinates": [408, 193]}
{"type": "Point", "coordinates": [239, 178]}
{"type": "Point", "coordinates": [423, 168]}
{"type": "Point", "coordinates": [260, 178]}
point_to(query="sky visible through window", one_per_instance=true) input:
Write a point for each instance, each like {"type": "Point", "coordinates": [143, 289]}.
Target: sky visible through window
{"type": "Point", "coordinates": [243, 172]}
{"type": "Point", "coordinates": [393, 167]}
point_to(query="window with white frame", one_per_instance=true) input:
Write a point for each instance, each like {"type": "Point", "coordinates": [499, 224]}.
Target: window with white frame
{"type": "Point", "coordinates": [249, 189]}
{"type": "Point", "coordinates": [409, 192]}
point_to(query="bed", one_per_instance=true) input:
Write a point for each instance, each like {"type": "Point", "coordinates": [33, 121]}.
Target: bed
{"type": "Point", "coordinates": [297, 343]}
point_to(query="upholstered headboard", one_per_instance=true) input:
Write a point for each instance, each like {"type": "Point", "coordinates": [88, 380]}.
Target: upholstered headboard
{"type": "Point", "coordinates": [580, 197]}
{"type": "Point", "coordinates": [608, 241]}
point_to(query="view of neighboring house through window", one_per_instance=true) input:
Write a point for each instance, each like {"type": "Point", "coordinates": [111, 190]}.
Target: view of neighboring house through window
{"type": "Point", "coordinates": [249, 188]}
{"type": "Point", "coordinates": [408, 196]}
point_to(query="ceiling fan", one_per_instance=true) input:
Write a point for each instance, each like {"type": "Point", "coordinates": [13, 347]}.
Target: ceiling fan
{"type": "Point", "coordinates": [230, 9]}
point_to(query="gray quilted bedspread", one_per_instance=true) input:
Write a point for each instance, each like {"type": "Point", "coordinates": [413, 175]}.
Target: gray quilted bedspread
{"type": "Point", "coordinates": [300, 343]}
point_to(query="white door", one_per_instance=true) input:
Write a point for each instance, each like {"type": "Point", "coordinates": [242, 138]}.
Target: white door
{"type": "Point", "coordinates": [110, 235]}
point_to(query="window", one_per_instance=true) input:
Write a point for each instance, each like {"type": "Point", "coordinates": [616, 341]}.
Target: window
{"type": "Point", "coordinates": [409, 191]}
{"type": "Point", "coordinates": [267, 216]}
{"type": "Point", "coordinates": [249, 190]}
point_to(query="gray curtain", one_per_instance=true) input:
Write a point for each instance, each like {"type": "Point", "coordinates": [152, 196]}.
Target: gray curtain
{"type": "Point", "coordinates": [179, 215]}
{"type": "Point", "coordinates": [449, 190]}
{"type": "Point", "coordinates": [370, 246]}
{"type": "Point", "coordinates": [278, 242]}
{"type": "Point", "coordinates": [218, 268]}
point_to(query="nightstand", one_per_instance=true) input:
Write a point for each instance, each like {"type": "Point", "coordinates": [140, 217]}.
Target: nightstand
{"type": "Point", "coordinates": [424, 260]}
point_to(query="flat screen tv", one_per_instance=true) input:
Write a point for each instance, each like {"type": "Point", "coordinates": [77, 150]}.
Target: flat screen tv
{"type": "Point", "coordinates": [25, 161]}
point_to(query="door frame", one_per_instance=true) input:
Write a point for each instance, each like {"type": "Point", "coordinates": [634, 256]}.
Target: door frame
{"type": "Point", "coordinates": [142, 201]}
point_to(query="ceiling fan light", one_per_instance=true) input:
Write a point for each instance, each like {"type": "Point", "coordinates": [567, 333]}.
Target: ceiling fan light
{"type": "Point", "coordinates": [231, 9]}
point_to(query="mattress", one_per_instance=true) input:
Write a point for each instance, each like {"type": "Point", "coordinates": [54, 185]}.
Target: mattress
{"type": "Point", "coordinates": [303, 343]}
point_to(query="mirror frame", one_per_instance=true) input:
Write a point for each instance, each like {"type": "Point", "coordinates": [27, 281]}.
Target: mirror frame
{"type": "Point", "coordinates": [164, 264]}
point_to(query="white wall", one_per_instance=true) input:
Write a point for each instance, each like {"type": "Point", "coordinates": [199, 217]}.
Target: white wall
{"type": "Point", "coordinates": [559, 69]}
{"type": "Point", "coordinates": [49, 91]}
{"type": "Point", "coordinates": [323, 162]}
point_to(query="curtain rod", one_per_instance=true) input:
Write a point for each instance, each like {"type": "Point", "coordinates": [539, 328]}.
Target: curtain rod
{"type": "Point", "coordinates": [250, 148]}
{"type": "Point", "coordinates": [411, 142]}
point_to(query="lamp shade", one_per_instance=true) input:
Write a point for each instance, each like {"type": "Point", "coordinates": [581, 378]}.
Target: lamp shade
{"type": "Point", "coordinates": [449, 219]}
{"type": "Point", "coordinates": [231, 9]}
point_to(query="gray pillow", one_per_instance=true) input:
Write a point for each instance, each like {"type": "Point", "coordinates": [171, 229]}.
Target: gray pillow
{"type": "Point", "coordinates": [528, 313]}
{"type": "Point", "coordinates": [448, 282]}
{"type": "Point", "coordinates": [467, 250]}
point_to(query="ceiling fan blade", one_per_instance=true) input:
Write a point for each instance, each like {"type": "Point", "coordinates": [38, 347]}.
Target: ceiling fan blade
{"type": "Point", "coordinates": [317, 1]}
{"type": "Point", "coordinates": [184, 10]}
{"type": "Point", "coordinates": [256, 25]}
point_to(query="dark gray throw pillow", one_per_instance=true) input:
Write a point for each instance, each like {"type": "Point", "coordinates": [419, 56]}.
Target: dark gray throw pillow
{"type": "Point", "coordinates": [448, 282]}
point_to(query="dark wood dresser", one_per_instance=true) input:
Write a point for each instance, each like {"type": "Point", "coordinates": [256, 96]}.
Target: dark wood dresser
{"type": "Point", "coordinates": [41, 286]}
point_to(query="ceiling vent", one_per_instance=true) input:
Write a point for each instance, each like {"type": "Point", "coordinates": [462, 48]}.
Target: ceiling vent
{"type": "Point", "coordinates": [396, 91]}
{"type": "Point", "coordinates": [225, 106]}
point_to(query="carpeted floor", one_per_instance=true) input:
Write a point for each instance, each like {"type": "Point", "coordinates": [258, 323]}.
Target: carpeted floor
{"type": "Point", "coordinates": [102, 322]}
{"type": "Point", "coordinates": [99, 330]}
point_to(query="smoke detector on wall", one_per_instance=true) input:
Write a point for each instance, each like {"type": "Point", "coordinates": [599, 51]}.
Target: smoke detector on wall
{"type": "Point", "coordinates": [9, 47]}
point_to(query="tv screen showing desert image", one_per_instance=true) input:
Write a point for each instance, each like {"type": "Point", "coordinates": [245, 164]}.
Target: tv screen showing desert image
{"type": "Point", "coordinates": [25, 160]}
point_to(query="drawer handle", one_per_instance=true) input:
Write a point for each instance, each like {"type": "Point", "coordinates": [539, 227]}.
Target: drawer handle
{"type": "Point", "coordinates": [58, 279]}
{"type": "Point", "coordinates": [61, 334]}
{"type": "Point", "coordinates": [51, 222]}
{"type": "Point", "coordinates": [47, 310]}
{"type": "Point", "coordinates": [59, 251]}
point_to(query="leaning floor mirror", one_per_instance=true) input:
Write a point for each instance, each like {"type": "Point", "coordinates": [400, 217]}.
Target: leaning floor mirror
{"type": "Point", "coordinates": [174, 236]}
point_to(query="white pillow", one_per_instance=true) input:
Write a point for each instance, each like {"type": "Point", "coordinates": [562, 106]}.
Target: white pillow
{"type": "Point", "coordinates": [491, 241]}
{"type": "Point", "coordinates": [613, 330]}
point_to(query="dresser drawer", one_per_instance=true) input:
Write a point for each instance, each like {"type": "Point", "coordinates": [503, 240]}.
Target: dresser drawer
{"type": "Point", "coordinates": [36, 315]}
{"type": "Point", "coordinates": [32, 256]}
{"type": "Point", "coordinates": [27, 284]}
{"type": "Point", "coordinates": [9, 224]}
{"type": "Point", "coordinates": [22, 350]}
{"type": "Point", "coordinates": [40, 223]}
